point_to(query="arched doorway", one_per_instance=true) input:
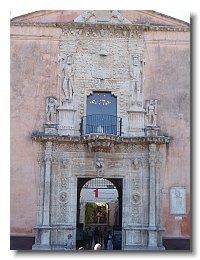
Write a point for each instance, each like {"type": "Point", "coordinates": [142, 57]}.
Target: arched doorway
{"type": "Point", "coordinates": [99, 206]}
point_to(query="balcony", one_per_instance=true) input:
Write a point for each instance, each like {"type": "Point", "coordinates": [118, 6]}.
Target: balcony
{"type": "Point", "coordinates": [101, 124]}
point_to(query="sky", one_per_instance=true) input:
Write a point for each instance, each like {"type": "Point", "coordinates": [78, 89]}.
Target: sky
{"type": "Point", "coordinates": [178, 9]}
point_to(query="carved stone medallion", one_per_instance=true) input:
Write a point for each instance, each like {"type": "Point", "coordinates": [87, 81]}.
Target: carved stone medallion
{"type": "Point", "coordinates": [63, 197]}
{"type": "Point", "coordinates": [136, 198]}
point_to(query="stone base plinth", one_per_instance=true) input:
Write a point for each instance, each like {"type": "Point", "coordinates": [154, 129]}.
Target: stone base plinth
{"type": "Point", "coordinates": [152, 130]}
{"type": "Point", "coordinates": [50, 129]}
{"type": "Point", "coordinates": [143, 248]}
{"type": "Point", "coordinates": [41, 247]}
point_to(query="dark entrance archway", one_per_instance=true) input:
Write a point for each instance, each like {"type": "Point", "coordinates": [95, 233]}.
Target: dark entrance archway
{"type": "Point", "coordinates": [116, 229]}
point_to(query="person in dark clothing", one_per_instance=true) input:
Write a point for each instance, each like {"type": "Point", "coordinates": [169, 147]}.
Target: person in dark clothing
{"type": "Point", "coordinates": [105, 238]}
{"type": "Point", "coordinates": [110, 241]}
{"type": "Point", "coordinates": [96, 235]}
{"type": "Point", "coordinates": [100, 236]}
{"type": "Point", "coordinates": [90, 237]}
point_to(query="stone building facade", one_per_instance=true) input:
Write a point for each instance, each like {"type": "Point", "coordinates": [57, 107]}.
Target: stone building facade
{"type": "Point", "coordinates": [100, 94]}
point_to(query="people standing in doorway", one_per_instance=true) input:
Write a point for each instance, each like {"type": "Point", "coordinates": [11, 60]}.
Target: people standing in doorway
{"type": "Point", "coordinates": [70, 244]}
{"type": "Point", "coordinates": [105, 237]}
{"type": "Point", "coordinates": [90, 237]}
{"type": "Point", "coordinates": [110, 241]}
{"type": "Point", "coordinates": [96, 235]}
{"type": "Point", "coordinates": [100, 236]}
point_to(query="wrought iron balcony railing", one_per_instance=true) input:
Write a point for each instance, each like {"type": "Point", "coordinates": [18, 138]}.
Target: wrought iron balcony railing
{"type": "Point", "coordinates": [101, 124]}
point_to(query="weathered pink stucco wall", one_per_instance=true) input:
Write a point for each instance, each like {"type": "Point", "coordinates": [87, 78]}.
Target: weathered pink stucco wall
{"type": "Point", "coordinates": [50, 16]}
{"type": "Point", "coordinates": [34, 76]}
{"type": "Point", "coordinates": [167, 78]}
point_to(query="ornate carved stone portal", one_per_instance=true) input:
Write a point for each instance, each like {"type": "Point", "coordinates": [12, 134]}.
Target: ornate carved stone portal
{"type": "Point", "coordinates": [100, 52]}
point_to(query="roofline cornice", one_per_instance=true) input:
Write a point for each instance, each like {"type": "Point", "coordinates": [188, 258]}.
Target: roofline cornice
{"type": "Point", "coordinates": [140, 27]}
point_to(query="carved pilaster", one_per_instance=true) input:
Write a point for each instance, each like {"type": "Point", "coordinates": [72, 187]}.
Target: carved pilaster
{"type": "Point", "coordinates": [47, 192]}
{"type": "Point", "coordinates": [152, 195]}
{"type": "Point", "coordinates": [64, 173]}
{"type": "Point", "coordinates": [40, 161]}
{"type": "Point", "coordinates": [43, 233]}
{"type": "Point", "coordinates": [155, 238]}
{"type": "Point", "coordinates": [158, 190]}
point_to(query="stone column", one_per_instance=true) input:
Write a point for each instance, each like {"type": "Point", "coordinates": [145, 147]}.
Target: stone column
{"type": "Point", "coordinates": [152, 196]}
{"type": "Point", "coordinates": [40, 190]}
{"type": "Point", "coordinates": [45, 238]}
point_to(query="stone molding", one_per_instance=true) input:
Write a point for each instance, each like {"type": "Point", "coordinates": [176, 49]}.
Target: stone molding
{"type": "Point", "coordinates": [41, 137]}
{"type": "Point", "coordinates": [144, 27]}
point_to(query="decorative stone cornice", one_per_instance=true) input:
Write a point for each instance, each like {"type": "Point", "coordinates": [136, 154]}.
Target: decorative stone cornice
{"type": "Point", "coordinates": [141, 27]}
{"type": "Point", "coordinates": [169, 28]}
{"type": "Point", "coordinates": [41, 137]}
{"type": "Point", "coordinates": [74, 25]}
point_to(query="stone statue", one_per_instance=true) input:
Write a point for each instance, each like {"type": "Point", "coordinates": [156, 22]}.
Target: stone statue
{"type": "Point", "coordinates": [99, 166]}
{"type": "Point", "coordinates": [136, 163]}
{"type": "Point", "coordinates": [152, 112]}
{"type": "Point", "coordinates": [51, 105]}
{"type": "Point", "coordinates": [103, 50]}
{"type": "Point", "coordinates": [67, 85]}
{"type": "Point", "coordinates": [136, 72]}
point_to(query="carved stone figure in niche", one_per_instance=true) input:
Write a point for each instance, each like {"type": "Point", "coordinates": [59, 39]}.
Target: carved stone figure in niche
{"type": "Point", "coordinates": [64, 163]}
{"type": "Point", "coordinates": [103, 50]}
{"type": "Point", "coordinates": [152, 149]}
{"type": "Point", "coordinates": [51, 105]}
{"type": "Point", "coordinates": [99, 166]}
{"type": "Point", "coordinates": [136, 163]}
{"type": "Point", "coordinates": [136, 71]}
{"type": "Point", "coordinates": [151, 110]}
{"type": "Point", "coordinates": [67, 85]}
